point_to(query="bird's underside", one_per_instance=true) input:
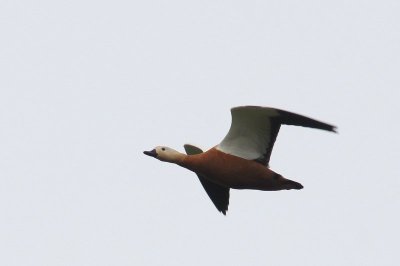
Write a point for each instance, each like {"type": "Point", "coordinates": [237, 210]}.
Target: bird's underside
{"type": "Point", "coordinates": [237, 173]}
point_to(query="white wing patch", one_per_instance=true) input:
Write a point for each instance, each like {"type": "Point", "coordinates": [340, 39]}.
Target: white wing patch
{"type": "Point", "coordinates": [250, 132]}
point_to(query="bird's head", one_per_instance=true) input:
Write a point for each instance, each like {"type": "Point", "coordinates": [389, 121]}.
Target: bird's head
{"type": "Point", "coordinates": [165, 154]}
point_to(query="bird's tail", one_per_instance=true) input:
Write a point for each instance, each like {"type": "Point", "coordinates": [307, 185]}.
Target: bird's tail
{"type": "Point", "coordinates": [290, 184]}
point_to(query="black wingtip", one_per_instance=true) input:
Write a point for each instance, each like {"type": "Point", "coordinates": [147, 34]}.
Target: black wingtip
{"type": "Point", "coordinates": [290, 118]}
{"type": "Point", "coordinates": [330, 128]}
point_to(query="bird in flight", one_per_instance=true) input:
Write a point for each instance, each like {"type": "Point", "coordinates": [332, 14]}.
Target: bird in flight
{"type": "Point", "coordinates": [241, 160]}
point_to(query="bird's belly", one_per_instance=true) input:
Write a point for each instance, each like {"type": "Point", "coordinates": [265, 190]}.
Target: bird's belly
{"type": "Point", "coordinates": [238, 173]}
{"type": "Point", "coordinates": [242, 179]}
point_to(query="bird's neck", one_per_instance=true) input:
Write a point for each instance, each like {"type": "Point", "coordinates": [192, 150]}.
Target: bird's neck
{"type": "Point", "coordinates": [176, 158]}
{"type": "Point", "coordinates": [190, 162]}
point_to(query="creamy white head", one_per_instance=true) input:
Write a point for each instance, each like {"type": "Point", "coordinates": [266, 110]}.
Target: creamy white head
{"type": "Point", "coordinates": [165, 154]}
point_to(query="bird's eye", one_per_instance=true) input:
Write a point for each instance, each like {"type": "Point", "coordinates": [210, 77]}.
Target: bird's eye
{"type": "Point", "coordinates": [163, 148]}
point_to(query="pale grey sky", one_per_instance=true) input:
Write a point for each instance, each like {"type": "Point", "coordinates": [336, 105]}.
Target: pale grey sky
{"type": "Point", "coordinates": [86, 86]}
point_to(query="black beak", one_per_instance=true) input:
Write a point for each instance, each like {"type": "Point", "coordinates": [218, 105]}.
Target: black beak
{"type": "Point", "coordinates": [151, 153]}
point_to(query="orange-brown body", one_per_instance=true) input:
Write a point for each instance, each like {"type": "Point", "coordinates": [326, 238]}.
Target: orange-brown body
{"type": "Point", "coordinates": [235, 172]}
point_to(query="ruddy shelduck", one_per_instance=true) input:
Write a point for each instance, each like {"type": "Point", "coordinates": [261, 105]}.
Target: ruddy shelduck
{"type": "Point", "coordinates": [241, 160]}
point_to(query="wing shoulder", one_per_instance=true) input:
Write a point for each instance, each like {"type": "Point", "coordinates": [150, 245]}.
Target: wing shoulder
{"type": "Point", "coordinates": [219, 195]}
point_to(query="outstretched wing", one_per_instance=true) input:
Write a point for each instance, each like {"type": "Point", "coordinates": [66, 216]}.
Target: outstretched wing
{"type": "Point", "coordinates": [254, 130]}
{"type": "Point", "coordinates": [219, 195]}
